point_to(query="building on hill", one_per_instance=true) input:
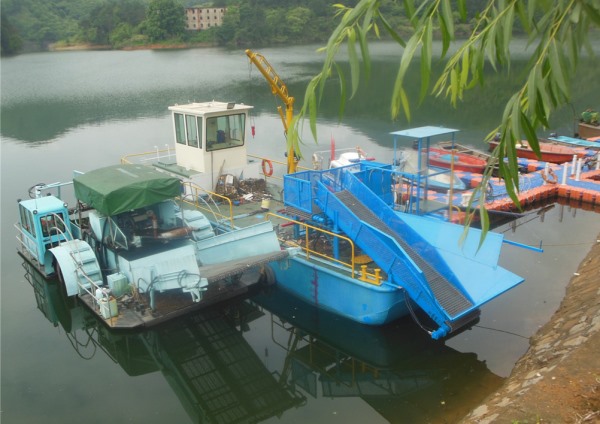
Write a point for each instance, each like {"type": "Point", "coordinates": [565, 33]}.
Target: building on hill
{"type": "Point", "coordinates": [202, 18]}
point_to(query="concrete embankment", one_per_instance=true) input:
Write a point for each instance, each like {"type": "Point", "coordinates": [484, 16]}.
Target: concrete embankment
{"type": "Point", "coordinates": [558, 379]}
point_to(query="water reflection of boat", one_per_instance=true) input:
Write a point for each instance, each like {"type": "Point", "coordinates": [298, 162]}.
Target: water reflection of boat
{"type": "Point", "coordinates": [215, 373]}
{"type": "Point", "coordinates": [219, 377]}
{"type": "Point", "coordinates": [396, 368]}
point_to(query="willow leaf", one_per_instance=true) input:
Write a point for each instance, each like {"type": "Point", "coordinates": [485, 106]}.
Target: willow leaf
{"type": "Point", "coordinates": [353, 61]}
{"type": "Point", "coordinates": [592, 13]}
{"type": "Point", "coordinates": [454, 88]}
{"type": "Point", "coordinates": [367, 19]}
{"type": "Point", "coordinates": [529, 132]}
{"type": "Point", "coordinates": [508, 28]}
{"type": "Point", "coordinates": [364, 48]}
{"type": "Point", "coordinates": [485, 225]}
{"type": "Point", "coordinates": [409, 9]}
{"type": "Point", "coordinates": [572, 49]}
{"type": "Point", "coordinates": [523, 18]}
{"type": "Point", "coordinates": [480, 65]}
{"type": "Point", "coordinates": [462, 9]}
{"type": "Point", "coordinates": [531, 9]}
{"type": "Point", "coordinates": [445, 34]}
{"type": "Point", "coordinates": [464, 75]}
{"type": "Point", "coordinates": [575, 16]}
{"type": "Point", "coordinates": [509, 182]}
{"type": "Point", "coordinates": [312, 111]}
{"type": "Point", "coordinates": [489, 47]}
{"type": "Point", "coordinates": [515, 118]}
{"type": "Point", "coordinates": [392, 32]}
{"type": "Point", "coordinates": [405, 104]}
{"type": "Point", "coordinates": [426, 60]}
{"type": "Point", "coordinates": [343, 90]}
{"type": "Point", "coordinates": [448, 18]}
{"type": "Point", "coordinates": [557, 72]}
{"type": "Point", "coordinates": [532, 90]}
{"type": "Point", "coordinates": [407, 56]}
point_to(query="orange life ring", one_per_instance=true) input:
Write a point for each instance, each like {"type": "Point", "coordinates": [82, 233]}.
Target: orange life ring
{"type": "Point", "coordinates": [549, 177]}
{"type": "Point", "coordinates": [267, 167]}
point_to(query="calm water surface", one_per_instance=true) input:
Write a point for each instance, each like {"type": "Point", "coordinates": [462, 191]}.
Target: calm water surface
{"type": "Point", "coordinates": [272, 359]}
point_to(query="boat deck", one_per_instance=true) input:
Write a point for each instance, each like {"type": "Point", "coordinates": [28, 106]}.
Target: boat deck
{"type": "Point", "coordinates": [134, 311]}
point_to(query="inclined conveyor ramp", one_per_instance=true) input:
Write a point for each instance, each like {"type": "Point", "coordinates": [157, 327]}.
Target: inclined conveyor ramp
{"type": "Point", "coordinates": [409, 260]}
{"type": "Point", "coordinates": [425, 285]}
{"type": "Point", "coordinates": [421, 255]}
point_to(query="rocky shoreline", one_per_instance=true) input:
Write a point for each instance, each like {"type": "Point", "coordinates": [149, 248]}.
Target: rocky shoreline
{"type": "Point", "coordinates": [558, 379]}
{"type": "Point", "coordinates": [157, 46]}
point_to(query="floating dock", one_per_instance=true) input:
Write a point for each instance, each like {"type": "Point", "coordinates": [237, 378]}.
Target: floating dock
{"type": "Point", "coordinates": [540, 182]}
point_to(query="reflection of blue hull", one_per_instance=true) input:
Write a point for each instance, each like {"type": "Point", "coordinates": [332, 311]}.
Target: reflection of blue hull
{"type": "Point", "coordinates": [351, 298]}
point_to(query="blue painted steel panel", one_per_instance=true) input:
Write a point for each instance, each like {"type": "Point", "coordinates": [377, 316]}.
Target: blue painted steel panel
{"type": "Point", "coordinates": [332, 291]}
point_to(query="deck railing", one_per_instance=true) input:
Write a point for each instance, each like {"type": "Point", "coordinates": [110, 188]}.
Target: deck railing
{"type": "Point", "coordinates": [201, 199]}
{"type": "Point", "coordinates": [152, 156]}
{"type": "Point", "coordinates": [350, 265]}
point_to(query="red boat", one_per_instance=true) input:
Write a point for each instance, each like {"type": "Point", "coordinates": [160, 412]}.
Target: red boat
{"type": "Point", "coordinates": [462, 161]}
{"type": "Point", "coordinates": [554, 153]}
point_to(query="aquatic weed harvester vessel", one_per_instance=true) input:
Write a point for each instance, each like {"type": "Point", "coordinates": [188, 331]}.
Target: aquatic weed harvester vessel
{"type": "Point", "coordinates": [133, 251]}
{"type": "Point", "coordinates": [362, 240]}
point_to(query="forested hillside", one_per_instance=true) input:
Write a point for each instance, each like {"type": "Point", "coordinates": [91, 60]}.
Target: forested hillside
{"type": "Point", "coordinates": [38, 24]}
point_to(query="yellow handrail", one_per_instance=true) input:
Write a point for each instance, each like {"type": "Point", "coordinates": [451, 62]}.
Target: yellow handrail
{"type": "Point", "coordinates": [195, 190]}
{"type": "Point", "coordinates": [363, 274]}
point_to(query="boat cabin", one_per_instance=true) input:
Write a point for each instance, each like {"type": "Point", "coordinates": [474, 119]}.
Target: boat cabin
{"type": "Point", "coordinates": [44, 223]}
{"type": "Point", "coordinates": [210, 135]}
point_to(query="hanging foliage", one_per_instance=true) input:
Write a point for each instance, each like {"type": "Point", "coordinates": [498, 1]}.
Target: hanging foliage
{"type": "Point", "coordinates": [557, 30]}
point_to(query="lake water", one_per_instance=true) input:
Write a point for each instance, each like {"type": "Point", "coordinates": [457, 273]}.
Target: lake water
{"type": "Point", "coordinates": [273, 360]}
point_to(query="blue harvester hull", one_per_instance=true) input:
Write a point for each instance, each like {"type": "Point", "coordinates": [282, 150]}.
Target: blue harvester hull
{"type": "Point", "coordinates": [422, 258]}
{"type": "Point", "coordinates": [349, 297]}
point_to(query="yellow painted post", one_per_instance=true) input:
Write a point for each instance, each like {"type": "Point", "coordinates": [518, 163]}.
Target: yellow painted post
{"type": "Point", "coordinates": [363, 272]}
{"type": "Point", "coordinates": [377, 276]}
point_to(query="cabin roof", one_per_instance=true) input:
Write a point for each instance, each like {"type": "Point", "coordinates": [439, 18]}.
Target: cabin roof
{"type": "Point", "coordinates": [210, 108]}
{"type": "Point", "coordinates": [424, 132]}
{"type": "Point", "coordinates": [119, 188]}
{"type": "Point", "coordinates": [43, 205]}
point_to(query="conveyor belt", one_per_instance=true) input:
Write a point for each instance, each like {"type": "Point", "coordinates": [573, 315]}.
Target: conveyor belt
{"type": "Point", "coordinates": [448, 296]}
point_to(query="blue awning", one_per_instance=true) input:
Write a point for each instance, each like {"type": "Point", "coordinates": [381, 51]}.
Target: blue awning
{"type": "Point", "coordinates": [424, 132]}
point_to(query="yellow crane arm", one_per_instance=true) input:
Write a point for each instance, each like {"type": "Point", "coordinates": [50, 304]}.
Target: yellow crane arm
{"type": "Point", "coordinates": [278, 88]}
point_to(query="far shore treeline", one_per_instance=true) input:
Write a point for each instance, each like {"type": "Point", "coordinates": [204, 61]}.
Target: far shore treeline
{"type": "Point", "coordinates": [37, 25]}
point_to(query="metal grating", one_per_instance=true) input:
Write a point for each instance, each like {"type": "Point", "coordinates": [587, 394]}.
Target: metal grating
{"type": "Point", "coordinates": [448, 296]}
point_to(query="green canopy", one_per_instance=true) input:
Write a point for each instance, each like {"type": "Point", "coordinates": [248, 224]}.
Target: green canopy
{"type": "Point", "coordinates": [121, 188]}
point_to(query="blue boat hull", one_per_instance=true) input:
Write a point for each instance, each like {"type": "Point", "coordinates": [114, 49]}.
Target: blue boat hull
{"type": "Point", "coordinates": [362, 302]}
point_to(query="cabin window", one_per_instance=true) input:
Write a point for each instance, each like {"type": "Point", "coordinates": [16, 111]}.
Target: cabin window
{"type": "Point", "coordinates": [224, 132]}
{"type": "Point", "coordinates": [192, 131]}
{"type": "Point", "coordinates": [27, 220]}
{"type": "Point", "coordinates": [52, 224]}
{"type": "Point", "coordinates": [179, 128]}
